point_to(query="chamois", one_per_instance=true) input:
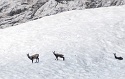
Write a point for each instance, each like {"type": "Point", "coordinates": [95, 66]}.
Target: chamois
{"type": "Point", "coordinates": [35, 56]}
{"type": "Point", "coordinates": [119, 58]}
{"type": "Point", "coordinates": [58, 55]}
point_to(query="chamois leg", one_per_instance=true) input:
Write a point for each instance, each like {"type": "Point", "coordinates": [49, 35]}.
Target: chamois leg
{"type": "Point", "coordinates": [63, 58]}
{"type": "Point", "coordinates": [32, 60]}
{"type": "Point", "coordinates": [38, 59]}
{"type": "Point", "coordinates": [56, 58]}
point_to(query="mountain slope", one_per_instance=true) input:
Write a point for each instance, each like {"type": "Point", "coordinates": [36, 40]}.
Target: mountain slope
{"type": "Point", "coordinates": [14, 12]}
{"type": "Point", "coordinates": [87, 39]}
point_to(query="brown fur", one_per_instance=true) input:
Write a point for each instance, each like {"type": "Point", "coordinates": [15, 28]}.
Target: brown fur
{"type": "Point", "coordinates": [59, 55]}
{"type": "Point", "coordinates": [35, 56]}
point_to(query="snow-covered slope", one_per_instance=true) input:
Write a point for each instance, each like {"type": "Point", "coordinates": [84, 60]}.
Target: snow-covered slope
{"type": "Point", "coordinates": [87, 39]}
{"type": "Point", "coordinates": [14, 12]}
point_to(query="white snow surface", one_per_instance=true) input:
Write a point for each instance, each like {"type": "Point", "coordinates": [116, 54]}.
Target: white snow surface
{"type": "Point", "coordinates": [87, 38]}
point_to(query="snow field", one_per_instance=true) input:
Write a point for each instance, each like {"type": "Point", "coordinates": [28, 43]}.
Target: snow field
{"type": "Point", "coordinates": [87, 39]}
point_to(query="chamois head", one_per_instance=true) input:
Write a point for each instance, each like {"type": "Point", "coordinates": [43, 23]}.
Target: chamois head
{"type": "Point", "coordinates": [53, 52]}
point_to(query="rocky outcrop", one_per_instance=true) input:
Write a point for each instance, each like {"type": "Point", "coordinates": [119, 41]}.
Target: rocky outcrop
{"type": "Point", "coordinates": [14, 12]}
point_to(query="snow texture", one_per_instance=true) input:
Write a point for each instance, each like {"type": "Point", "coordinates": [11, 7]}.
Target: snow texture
{"type": "Point", "coordinates": [86, 38]}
